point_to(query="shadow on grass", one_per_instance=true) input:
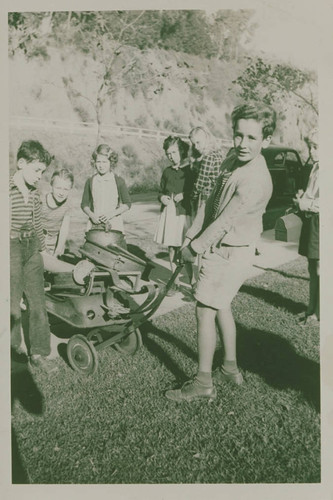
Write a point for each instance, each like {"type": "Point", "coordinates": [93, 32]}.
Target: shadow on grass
{"type": "Point", "coordinates": [274, 298]}
{"type": "Point", "coordinates": [25, 391]}
{"type": "Point", "coordinates": [148, 331]}
{"type": "Point", "coordinates": [282, 273]}
{"type": "Point", "coordinates": [276, 361]}
{"type": "Point", "coordinates": [266, 354]}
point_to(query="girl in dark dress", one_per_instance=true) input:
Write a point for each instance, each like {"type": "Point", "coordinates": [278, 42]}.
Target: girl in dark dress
{"type": "Point", "coordinates": [175, 191]}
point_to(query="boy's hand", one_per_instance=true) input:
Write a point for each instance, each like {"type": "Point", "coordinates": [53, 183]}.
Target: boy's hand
{"type": "Point", "coordinates": [178, 197]}
{"type": "Point", "coordinates": [186, 242]}
{"type": "Point", "coordinates": [94, 219]}
{"type": "Point", "coordinates": [103, 218]}
{"type": "Point", "coordinates": [298, 198]}
{"type": "Point", "coordinates": [165, 199]}
{"type": "Point", "coordinates": [187, 254]}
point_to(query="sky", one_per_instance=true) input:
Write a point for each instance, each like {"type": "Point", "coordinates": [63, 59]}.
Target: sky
{"type": "Point", "coordinates": [287, 32]}
{"type": "Point", "coordinates": [292, 30]}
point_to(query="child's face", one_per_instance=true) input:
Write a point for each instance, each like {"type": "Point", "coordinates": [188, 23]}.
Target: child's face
{"type": "Point", "coordinates": [31, 172]}
{"type": "Point", "coordinates": [60, 189]}
{"type": "Point", "coordinates": [248, 139]}
{"type": "Point", "coordinates": [313, 148]}
{"type": "Point", "coordinates": [173, 154]}
{"type": "Point", "coordinates": [199, 141]}
{"type": "Point", "coordinates": [102, 164]}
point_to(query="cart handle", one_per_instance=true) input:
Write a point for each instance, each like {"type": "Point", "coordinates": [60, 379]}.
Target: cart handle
{"type": "Point", "coordinates": [162, 293]}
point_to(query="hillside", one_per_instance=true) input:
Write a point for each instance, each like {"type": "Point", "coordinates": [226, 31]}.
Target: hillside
{"type": "Point", "coordinates": [189, 91]}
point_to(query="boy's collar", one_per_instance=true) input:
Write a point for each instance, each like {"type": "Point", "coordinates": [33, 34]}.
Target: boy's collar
{"type": "Point", "coordinates": [18, 181]}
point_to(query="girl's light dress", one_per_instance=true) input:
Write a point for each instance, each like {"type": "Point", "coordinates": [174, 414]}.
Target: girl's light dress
{"type": "Point", "coordinates": [175, 218]}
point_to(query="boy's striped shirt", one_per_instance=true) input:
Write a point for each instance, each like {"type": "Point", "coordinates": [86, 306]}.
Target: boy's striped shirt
{"type": "Point", "coordinates": [221, 182]}
{"type": "Point", "coordinates": [25, 215]}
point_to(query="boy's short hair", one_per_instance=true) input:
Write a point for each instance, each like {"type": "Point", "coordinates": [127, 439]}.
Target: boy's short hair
{"type": "Point", "coordinates": [65, 174]}
{"type": "Point", "coordinates": [32, 151]}
{"type": "Point", "coordinates": [105, 150]}
{"type": "Point", "coordinates": [183, 146]}
{"type": "Point", "coordinates": [260, 112]}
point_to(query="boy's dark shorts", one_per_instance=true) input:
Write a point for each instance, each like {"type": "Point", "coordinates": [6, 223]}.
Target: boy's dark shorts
{"type": "Point", "coordinates": [222, 273]}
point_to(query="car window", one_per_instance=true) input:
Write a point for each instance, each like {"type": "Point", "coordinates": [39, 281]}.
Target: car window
{"type": "Point", "coordinates": [279, 159]}
{"type": "Point", "coordinates": [291, 156]}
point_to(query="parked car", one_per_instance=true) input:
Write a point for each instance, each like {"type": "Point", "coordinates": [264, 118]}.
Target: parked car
{"type": "Point", "coordinates": [287, 171]}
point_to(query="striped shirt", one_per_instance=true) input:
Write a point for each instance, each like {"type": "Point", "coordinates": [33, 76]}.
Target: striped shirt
{"type": "Point", "coordinates": [53, 216]}
{"type": "Point", "coordinates": [25, 215]}
{"type": "Point", "coordinates": [221, 182]}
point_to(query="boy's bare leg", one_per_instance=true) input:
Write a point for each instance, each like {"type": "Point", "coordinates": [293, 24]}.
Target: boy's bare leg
{"type": "Point", "coordinates": [206, 341]}
{"type": "Point", "coordinates": [172, 258]}
{"type": "Point", "coordinates": [227, 326]}
{"type": "Point", "coordinates": [190, 272]}
{"type": "Point", "coordinates": [172, 255]}
{"type": "Point", "coordinates": [202, 385]}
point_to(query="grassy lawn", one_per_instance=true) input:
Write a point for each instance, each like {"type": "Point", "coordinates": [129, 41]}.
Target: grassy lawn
{"type": "Point", "coordinates": [117, 427]}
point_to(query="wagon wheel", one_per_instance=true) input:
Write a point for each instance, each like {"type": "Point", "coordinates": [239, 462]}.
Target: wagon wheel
{"type": "Point", "coordinates": [130, 344]}
{"type": "Point", "coordinates": [82, 355]}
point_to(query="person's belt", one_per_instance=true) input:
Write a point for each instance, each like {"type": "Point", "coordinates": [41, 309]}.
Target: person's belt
{"type": "Point", "coordinates": [233, 246]}
{"type": "Point", "coordinates": [22, 234]}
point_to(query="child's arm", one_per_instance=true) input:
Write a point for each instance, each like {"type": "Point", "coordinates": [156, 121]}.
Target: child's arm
{"type": "Point", "coordinates": [86, 203]}
{"type": "Point", "coordinates": [91, 215]}
{"type": "Point", "coordinates": [124, 198]}
{"type": "Point", "coordinates": [63, 233]}
{"type": "Point", "coordinates": [118, 211]}
{"type": "Point", "coordinates": [162, 197]}
{"type": "Point", "coordinates": [245, 195]}
{"type": "Point", "coordinates": [37, 221]}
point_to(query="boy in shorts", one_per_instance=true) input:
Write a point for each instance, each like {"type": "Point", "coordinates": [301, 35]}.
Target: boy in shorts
{"type": "Point", "coordinates": [224, 233]}
{"type": "Point", "coordinates": [26, 264]}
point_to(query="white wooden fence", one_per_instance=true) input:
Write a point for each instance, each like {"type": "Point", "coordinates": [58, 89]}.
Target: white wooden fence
{"type": "Point", "coordinates": [91, 128]}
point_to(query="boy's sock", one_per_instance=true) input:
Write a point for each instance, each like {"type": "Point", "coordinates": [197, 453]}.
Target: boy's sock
{"type": "Point", "coordinates": [230, 366]}
{"type": "Point", "coordinates": [204, 378]}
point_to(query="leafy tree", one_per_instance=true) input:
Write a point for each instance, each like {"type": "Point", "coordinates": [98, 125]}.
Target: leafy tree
{"type": "Point", "coordinates": [229, 29]}
{"type": "Point", "coordinates": [186, 31]}
{"type": "Point", "coordinates": [118, 43]}
{"type": "Point", "coordinates": [274, 82]}
{"type": "Point", "coordinates": [103, 36]}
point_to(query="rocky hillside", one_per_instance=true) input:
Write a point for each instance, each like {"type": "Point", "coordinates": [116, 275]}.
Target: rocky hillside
{"type": "Point", "coordinates": [188, 91]}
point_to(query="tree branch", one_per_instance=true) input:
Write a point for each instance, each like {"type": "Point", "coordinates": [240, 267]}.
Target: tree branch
{"type": "Point", "coordinates": [300, 96]}
{"type": "Point", "coordinates": [127, 26]}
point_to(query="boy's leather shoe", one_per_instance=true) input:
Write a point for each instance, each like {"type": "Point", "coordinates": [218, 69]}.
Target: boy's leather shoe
{"type": "Point", "coordinates": [191, 390]}
{"type": "Point", "coordinates": [42, 363]}
{"type": "Point", "coordinates": [220, 376]}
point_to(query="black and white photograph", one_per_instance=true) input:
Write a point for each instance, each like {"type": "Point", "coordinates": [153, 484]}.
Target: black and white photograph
{"type": "Point", "coordinates": [163, 305]}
